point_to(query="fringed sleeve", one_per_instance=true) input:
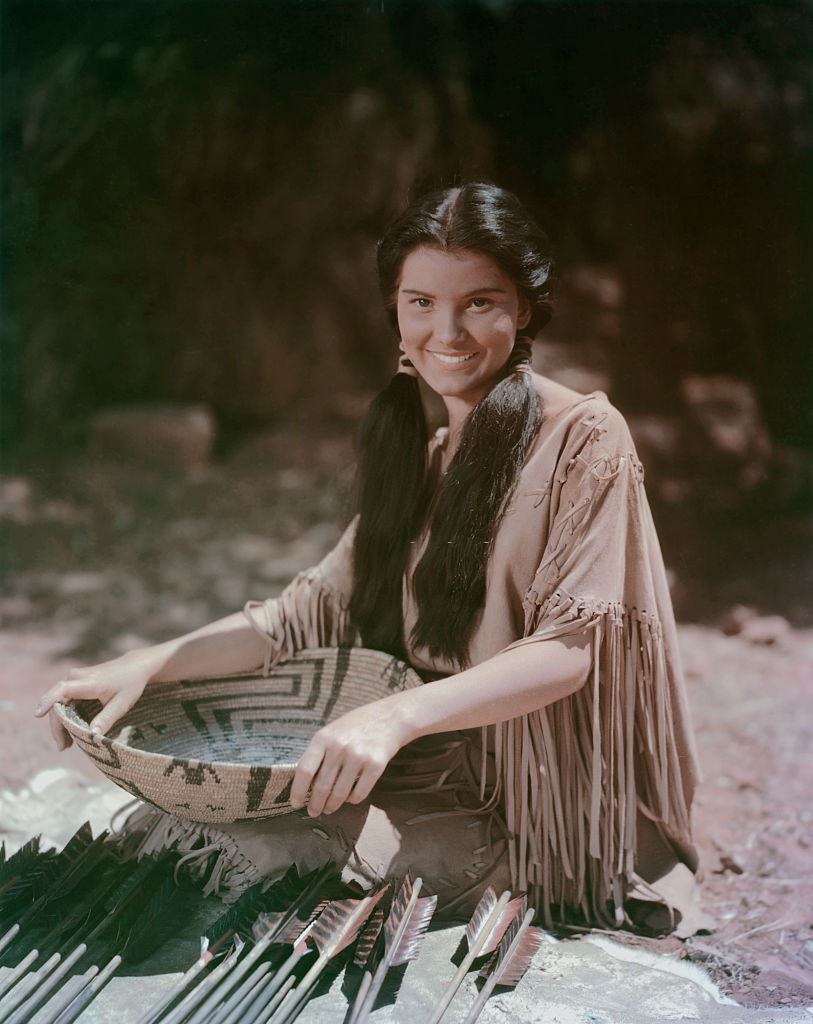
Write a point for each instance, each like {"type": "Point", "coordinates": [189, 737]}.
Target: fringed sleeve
{"type": "Point", "coordinates": [312, 611]}
{"type": "Point", "coordinates": [574, 774]}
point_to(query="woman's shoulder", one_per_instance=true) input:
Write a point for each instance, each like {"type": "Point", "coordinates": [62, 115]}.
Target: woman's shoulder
{"type": "Point", "coordinates": [580, 415]}
{"type": "Point", "coordinates": [565, 411]}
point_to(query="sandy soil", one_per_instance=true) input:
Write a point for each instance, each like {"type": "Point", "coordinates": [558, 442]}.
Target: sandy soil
{"type": "Point", "coordinates": [101, 559]}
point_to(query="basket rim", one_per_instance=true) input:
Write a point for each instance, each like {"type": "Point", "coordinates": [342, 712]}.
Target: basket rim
{"type": "Point", "coordinates": [80, 729]}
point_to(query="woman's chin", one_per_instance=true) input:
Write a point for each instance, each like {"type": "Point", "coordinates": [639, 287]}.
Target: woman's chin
{"type": "Point", "coordinates": [471, 389]}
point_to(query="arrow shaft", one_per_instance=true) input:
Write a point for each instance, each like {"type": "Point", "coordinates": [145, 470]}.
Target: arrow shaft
{"type": "Point", "coordinates": [470, 957]}
{"type": "Point", "coordinates": [26, 985]}
{"type": "Point", "coordinates": [249, 1005]}
{"type": "Point", "coordinates": [270, 1007]}
{"type": "Point", "coordinates": [386, 961]}
{"type": "Point", "coordinates": [70, 990]}
{"type": "Point", "coordinates": [281, 983]}
{"type": "Point", "coordinates": [494, 979]}
{"type": "Point", "coordinates": [89, 993]}
{"type": "Point", "coordinates": [18, 972]}
{"type": "Point", "coordinates": [225, 1008]}
{"type": "Point", "coordinates": [41, 992]}
{"type": "Point", "coordinates": [9, 936]}
{"type": "Point", "coordinates": [176, 989]}
{"type": "Point", "coordinates": [199, 993]}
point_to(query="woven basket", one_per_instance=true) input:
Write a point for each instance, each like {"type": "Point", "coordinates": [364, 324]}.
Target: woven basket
{"type": "Point", "coordinates": [225, 749]}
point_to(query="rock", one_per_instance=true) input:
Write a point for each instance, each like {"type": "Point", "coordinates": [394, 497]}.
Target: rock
{"type": "Point", "coordinates": [660, 444]}
{"type": "Point", "coordinates": [735, 618]}
{"type": "Point", "coordinates": [15, 499]}
{"type": "Point", "coordinates": [756, 629]}
{"type": "Point", "coordinates": [765, 629]}
{"type": "Point", "coordinates": [16, 607]}
{"type": "Point", "coordinates": [176, 437]}
{"type": "Point", "coordinates": [727, 431]}
{"type": "Point", "coordinates": [74, 584]}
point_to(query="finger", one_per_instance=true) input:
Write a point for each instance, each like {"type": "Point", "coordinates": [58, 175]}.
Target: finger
{"type": "Point", "coordinates": [65, 691]}
{"type": "Point", "coordinates": [342, 786]}
{"type": "Point", "coordinates": [368, 778]}
{"type": "Point", "coordinates": [80, 673]}
{"type": "Point", "coordinates": [322, 786]}
{"type": "Point", "coordinates": [62, 737]}
{"type": "Point", "coordinates": [305, 771]}
{"type": "Point", "coordinates": [110, 714]}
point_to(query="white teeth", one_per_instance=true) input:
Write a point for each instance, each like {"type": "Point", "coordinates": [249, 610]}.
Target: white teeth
{"type": "Point", "coordinates": [453, 359]}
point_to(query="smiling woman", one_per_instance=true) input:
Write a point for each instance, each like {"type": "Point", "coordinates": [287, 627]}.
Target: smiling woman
{"type": "Point", "coordinates": [511, 560]}
{"type": "Point", "coordinates": [459, 339]}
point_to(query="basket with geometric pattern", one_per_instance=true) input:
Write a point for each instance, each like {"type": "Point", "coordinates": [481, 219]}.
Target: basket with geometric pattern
{"type": "Point", "coordinates": [225, 749]}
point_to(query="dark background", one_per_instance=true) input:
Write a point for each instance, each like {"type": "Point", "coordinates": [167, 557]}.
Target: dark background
{"type": "Point", "coordinates": [192, 192]}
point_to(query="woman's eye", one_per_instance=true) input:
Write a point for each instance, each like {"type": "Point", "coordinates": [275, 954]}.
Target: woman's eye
{"type": "Point", "coordinates": [484, 303]}
{"type": "Point", "coordinates": [416, 302]}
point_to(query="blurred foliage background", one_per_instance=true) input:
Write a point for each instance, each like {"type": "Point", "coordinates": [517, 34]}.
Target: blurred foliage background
{"type": "Point", "coordinates": [192, 192]}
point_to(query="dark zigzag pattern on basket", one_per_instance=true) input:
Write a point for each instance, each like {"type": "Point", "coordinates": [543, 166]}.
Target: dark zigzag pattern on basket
{"type": "Point", "coordinates": [110, 764]}
{"type": "Point", "coordinates": [241, 704]}
{"type": "Point", "coordinates": [276, 701]}
{"type": "Point", "coordinates": [194, 774]}
{"type": "Point", "coordinates": [199, 752]}
{"type": "Point", "coordinates": [257, 784]}
{"type": "Point", "coordinates": [223, 716]}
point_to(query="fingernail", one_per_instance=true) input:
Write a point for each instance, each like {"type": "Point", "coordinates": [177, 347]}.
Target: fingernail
{"type": "Point", "coordinates": [97, 729]}
{"type": "Point", "coordinates": [39, 708]}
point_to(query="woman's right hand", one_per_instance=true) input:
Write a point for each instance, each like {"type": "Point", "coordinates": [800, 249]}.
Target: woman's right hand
{"type": "Point", "coordinates": [117, 684]}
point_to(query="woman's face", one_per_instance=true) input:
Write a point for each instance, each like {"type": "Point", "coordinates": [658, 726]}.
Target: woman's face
{"type": "Point", "coordinates": [458, 314]}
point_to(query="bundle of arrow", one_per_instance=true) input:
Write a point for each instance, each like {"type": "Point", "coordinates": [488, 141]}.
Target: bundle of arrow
{"type": "Point", "coordinates": [63, 915]}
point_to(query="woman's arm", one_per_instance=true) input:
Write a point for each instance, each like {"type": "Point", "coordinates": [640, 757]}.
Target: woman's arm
{"type": "Point", "coordinates": [512, 683]}
{"type": "Point", "coordinates": [222, 647]}
{"type": "Point", "coordinates": [308, 608]}
{"type": "Point", "coordinates": [219, 648]}
{"type": "Point", "coordinates": [346, 758]}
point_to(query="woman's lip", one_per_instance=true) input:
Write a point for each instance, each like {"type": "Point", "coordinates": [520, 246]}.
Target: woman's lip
{"type": "Point", "coordinates": [457, 362]}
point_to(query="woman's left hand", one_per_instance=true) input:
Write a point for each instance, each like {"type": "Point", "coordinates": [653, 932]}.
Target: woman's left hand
{"type": "Point", "coordinates": [346, 758]}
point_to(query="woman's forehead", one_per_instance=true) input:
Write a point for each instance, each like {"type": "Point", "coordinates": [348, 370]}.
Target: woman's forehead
{"type": "Point", "coordinates": [432, 270]}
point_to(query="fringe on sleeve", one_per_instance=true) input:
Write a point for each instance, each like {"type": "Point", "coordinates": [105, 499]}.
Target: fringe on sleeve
{"type": "Point", "coordinates": [570, 778]}
{"type": "Point", "coordinates": [574, 775]}
{"type": "Point", "coordinates": [308, 613]}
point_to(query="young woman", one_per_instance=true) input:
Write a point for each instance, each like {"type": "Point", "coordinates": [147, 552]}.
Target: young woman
{"type": "Point", "coordinates": [511, 559]}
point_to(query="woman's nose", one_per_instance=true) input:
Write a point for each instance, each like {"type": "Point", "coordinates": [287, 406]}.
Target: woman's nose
{"type": "Point", "coordinates": [448, 329]}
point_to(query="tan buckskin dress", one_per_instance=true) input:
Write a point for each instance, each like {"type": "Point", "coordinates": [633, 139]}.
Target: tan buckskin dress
{"type": "Point", "coordinates": [584, 804]}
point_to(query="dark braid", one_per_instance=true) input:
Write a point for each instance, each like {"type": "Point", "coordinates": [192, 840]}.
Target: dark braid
{"type": "Point", "coordinates": [450, 580]}
{"type": "Point", "coordinates": [391, 500]}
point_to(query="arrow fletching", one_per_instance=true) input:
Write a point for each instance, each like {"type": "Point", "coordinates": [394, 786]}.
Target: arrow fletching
{"type": "Point", "coordinates": [513, 958]}
{"type": "Point", "coordinates": [368, 937]}
{"type": "Point", "coordinates": [340, 922]}
{"type": "Point", "coordinates": [402, 939]}
{"type": "Point", "coordinates": [497, 928]}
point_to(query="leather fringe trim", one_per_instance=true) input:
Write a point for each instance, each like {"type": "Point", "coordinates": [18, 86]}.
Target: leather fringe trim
{"type": "Point", "coordinates": [209, 857]}
{"type": "Point", "coordinates": [573, 775]}
{"type": "Point", "coordinates": [308, 613]}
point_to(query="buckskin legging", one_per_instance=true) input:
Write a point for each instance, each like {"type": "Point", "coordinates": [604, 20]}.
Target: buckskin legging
{"type": "Point", "coordinates": [456, 855]}
{"type": "Point", "coordinates": [417, 819]}
{"type": "Point", "coordinates": [422, 817]}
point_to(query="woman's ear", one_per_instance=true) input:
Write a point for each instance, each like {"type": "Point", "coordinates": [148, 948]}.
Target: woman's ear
{"type": "Point", "coordinates": [523, 312]}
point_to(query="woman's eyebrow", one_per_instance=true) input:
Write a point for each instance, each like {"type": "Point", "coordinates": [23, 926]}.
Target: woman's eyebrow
{"type": "Point", "coordinates": [476, 291]}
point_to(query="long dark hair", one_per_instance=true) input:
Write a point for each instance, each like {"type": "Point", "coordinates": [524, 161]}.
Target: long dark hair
{"type": "Point", "coordinates": [393, 489]}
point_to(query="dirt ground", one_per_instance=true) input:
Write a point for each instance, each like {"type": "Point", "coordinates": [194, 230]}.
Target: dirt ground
{"type": "Point", "coordinates": [101, 558]}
